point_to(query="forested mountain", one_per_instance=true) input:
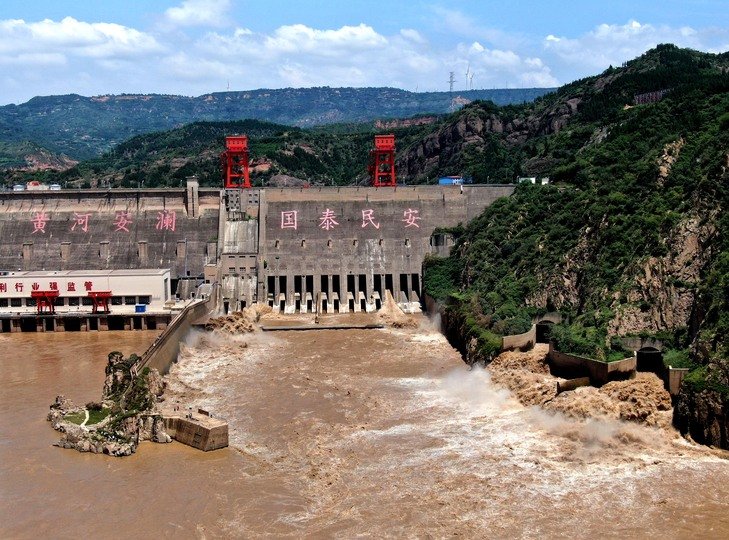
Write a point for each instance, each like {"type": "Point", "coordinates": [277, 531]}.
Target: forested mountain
{"type": "Point", "coordinates": [84, 127]}
{"type": "Point", "coordinates": [330, 155]}
{"type": "Point", "coordinates": [631, 236]}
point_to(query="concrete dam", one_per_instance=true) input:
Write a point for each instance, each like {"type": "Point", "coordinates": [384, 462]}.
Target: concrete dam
{"type": "Point", "coordinates": [322, 249]}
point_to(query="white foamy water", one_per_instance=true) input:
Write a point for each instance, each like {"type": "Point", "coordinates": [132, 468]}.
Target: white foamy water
{"type": "Point", "coordinates": [388, 431]}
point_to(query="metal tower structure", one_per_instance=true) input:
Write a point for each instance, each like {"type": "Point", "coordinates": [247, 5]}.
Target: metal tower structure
{"type": "Point", "coordinates": [235, 162]}
{"type": "Point", "coordinates": [382, 161]}
{"type": "Point", "coordinates": [452, 80]}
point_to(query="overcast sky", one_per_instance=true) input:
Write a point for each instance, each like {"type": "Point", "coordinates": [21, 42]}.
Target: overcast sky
{"type": "Point", "coordinates": [193, 47]}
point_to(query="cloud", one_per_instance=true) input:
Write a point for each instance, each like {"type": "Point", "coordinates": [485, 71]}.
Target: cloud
{"type": "Point", "coordinates": [72, 56]}
{"type": "Point", "coordinates": [498, 67]}
{"type": "Point", "coordinates": [412, 35]}
{"type": "Point", "coordinates": [299, 55]}
{"type": "Point", "coordinates": [300, 38]}
{"type": "Point", "coordinates": [198, 13]}
{"type": "Point", "coordinates": [69, 37]}
{"type": "Point", "coordinates": [457, 23]}
{"type": "Point", "coordinates": [612, 44]}
{"type": "Point", "coordinates": [35, 59]}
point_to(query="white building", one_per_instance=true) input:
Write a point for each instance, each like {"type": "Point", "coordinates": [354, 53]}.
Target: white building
{"type": "Point", "coordinates": [140, 291]}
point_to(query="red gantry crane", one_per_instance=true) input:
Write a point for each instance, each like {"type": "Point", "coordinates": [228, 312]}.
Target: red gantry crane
{"type": "Point", "coordinates": [235, 162]}
{"type": "Point", "coordinates": [45, 300]}
{"type": "Point", "coordinates": [382, 161]}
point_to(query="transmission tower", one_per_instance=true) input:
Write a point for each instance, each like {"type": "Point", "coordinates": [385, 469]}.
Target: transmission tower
{"type": "Point", "coordinates": [452, 80]}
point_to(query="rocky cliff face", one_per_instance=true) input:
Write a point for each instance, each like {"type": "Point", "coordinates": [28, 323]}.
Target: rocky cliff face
{"type": "Point", "coordinates": [473, 128]}
{"type": "Point", "coordinates": [662, 295]}
{"type": "Point", "coordinates": [704, 416]}
{"type": "Point", "coordinates": [42, 160]}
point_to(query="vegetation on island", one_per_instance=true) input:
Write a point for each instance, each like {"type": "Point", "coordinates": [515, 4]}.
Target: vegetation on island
{"type": "Point", "coordinates": [125, 415]}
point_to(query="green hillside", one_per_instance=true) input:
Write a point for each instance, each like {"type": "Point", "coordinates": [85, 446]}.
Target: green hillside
{"type": "Point", "coordinates": [331, 155]}
{"type": "Point", "coordinates": [631, 236]}
{"type": "Point", "coordinates": [85, 127]}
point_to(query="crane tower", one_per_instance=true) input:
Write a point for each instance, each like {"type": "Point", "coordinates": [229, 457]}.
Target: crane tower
{"type": "Point", "coordinates": [382, 161]}
{"type": "Point", "coordinates": [235, 162]}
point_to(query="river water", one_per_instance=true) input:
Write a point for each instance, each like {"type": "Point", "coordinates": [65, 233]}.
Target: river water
{"type": "Point", "coordinates": [340, 433]}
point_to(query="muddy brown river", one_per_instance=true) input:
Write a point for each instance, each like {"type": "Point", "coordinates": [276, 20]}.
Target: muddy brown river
{"type": "Point", "coordinates": [340, 433]}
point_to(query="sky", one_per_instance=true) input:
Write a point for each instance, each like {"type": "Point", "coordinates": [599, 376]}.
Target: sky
{"type": "Point", "coordinates": [194, 47]}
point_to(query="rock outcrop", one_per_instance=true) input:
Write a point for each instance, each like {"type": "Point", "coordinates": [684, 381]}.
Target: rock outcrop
{"type": "Point", "coordinates": [473, 130]}
{"type": "Point", "coordinates": [663, 295]}
{"type": "Point", "coordinates": [704, 416]}
{"type": "Point", "coordinates": [128, 412]}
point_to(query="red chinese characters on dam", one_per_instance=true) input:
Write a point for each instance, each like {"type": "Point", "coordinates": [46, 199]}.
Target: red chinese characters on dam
{"type": "Point", "coordinates": [328, 219]}
{"type": "Point", "coordinates": [81, 221]}
{"type": "Point", "coordinates": [39, 221]}
{"type": "Point", "coordinates": [166, 221]}
{"type": "Point", "coordinates": [122, 220]}
{"type": "Point", "coordinates": [51, 285]}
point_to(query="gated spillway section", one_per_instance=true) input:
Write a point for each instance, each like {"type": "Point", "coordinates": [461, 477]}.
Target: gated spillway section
{"type": "Point", "coordinates": [338, 249]}
{"type": "Point", "coordinates": [328, 249]}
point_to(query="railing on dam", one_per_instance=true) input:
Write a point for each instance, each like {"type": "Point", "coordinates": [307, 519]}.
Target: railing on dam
{"type": "Point", "coordinates": [166, 347]}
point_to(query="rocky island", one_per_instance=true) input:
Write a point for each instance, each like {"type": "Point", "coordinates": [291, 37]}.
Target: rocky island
{"type": "Point", "coordinates": [127, 414]}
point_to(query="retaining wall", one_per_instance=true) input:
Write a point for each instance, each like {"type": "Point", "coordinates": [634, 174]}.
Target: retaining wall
{"type": "Point", "coordinates": [673, 379]}
{"type": "Point", "coordinates": [165, 349]}
{"type": "Point", "coordinates": [571, 366]}
{"type": "Point", "coordinates": [520, 341]}
{"type": "Point", "coordinates": [635, 343]}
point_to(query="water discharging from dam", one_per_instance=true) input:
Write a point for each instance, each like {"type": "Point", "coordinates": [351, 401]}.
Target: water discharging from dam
{"type": "Point", "coordinates": [346, 432]}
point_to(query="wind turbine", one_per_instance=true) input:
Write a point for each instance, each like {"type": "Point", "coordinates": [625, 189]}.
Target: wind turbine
{"type": "Point", "coordinates": [468, 75]}
{"type": "Point", "coordinates": [470, 80]}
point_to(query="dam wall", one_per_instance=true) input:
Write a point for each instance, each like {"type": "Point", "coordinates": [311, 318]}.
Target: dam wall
{"type": "Point", "coordinates": [340, 249]}
{"type": "Point", "coordinates": [320, 249]}
{"type": "Point", "coordinates": [109, 229]}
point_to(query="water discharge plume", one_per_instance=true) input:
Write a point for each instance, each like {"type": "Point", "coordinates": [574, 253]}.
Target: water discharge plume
{"type": "Point", "coordinates": [642, 399]}
{"type": "Point", "coordinates": [594, 423]}
{"type": "Point", "coordinates": [526, 374]}
{"type": "Point", "coordinates": [239, 321]}
{"type": "Point", "coordinates": [391, 314]}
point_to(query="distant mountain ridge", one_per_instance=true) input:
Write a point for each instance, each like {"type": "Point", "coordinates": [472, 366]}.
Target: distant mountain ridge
{"type": "Point", "coordinates": [84, 127]}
